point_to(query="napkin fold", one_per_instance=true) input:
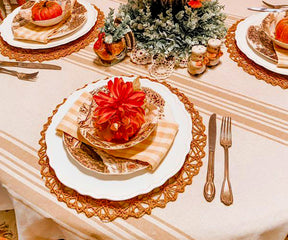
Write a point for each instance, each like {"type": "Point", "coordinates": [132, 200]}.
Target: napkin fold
{"type": "Point", "coordinates": [31, 32]}
{"type": "Point", "coordinates": [152, 150]}
{"type": "Point", "coordinates": [282, 55]}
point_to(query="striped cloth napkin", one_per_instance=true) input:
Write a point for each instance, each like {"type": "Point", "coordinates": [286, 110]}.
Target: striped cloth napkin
{"type": "Point", "coordinates": [152, 150]}
{"type": "Point", "coordinates": [35, 33]}
{"type": "Point", "coordinates": [282, 55]}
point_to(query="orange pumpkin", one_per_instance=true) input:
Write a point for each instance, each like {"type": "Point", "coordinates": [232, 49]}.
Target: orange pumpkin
{"type": "Point", "coordinates": [281, 30]}
{"type": "Point", "coordinates": [45, 10]}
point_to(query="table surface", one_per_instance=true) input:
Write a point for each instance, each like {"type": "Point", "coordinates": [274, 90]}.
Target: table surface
{"type": "Point", "coordinates": [258, 157]}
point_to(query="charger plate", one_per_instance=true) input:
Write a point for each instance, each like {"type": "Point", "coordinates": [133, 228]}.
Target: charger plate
{"type": "Point", "coordinates": [139, 205]}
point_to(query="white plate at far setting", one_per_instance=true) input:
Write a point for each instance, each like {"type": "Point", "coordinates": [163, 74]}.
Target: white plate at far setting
{"type": "Point", "coordinates": [119, 187]}
{"type": "Point", "coordinates": [7, 34]}
{"type": "Point", "coordinates": [243, 45]}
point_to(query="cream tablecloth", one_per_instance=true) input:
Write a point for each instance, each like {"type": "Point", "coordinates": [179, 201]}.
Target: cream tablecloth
{"type": "Point", "coordinates": [258, 157]}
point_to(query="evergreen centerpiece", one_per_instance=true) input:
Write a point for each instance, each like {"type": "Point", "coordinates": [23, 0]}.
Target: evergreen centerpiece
{"type": "Point", "coordinates": [110, 45]}
{"type": "Point", "coordinates": [172, 27]}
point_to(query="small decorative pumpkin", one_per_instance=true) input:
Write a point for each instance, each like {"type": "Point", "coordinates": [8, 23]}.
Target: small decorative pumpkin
{"type": "Point", "coordinates": [46, 10]}
{"type": "Point", "coordinates": [281, 30]}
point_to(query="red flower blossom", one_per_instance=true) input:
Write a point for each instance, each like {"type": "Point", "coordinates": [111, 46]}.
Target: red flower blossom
{"type": "Point", "coordinates": [119, 114]}
{"type": "Point", "coordinates": [195, 3]}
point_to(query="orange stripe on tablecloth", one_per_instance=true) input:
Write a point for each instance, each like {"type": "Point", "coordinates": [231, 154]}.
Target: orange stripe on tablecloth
{"type": "Point", "coordinates": [251, 123]}
{"type": "Point", "coordinates": [151, 229]}
{"type": "Point", "coordinates": [100, 69]}
{"type": "Point", "coordinates": [19, 152]}
{"type": "Point", "coordinates": [18, 140]}
{"type": "Point", "coordinates": [23, 175]}
{"type": "Point", "coordinates": [172, 227]}
{"type": "Point", "coordinates": [129, 231]}
{"type": "Point", "coordinates": [236, 99]}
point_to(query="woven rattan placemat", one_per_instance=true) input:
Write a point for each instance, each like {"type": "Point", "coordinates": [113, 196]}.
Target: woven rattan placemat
{"type": "Point", "coordinates": [108, 210]}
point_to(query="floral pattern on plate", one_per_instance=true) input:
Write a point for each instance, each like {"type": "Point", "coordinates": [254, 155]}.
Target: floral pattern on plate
{"type": "Point", "coordinates": [261, 43]}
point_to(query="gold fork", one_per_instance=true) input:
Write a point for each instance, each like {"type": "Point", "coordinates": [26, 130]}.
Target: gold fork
{"type": "Point", "coordinates": [226, 142]}
{"type": "Point", "coordinates": [19, 75]}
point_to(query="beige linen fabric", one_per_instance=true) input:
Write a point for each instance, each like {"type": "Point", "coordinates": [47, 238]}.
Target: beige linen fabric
{"type": "Point", "coordinates": [258, 156]}
{"type": "Point", "coordinates": [35, 33]}
{"type": "Point", "coordinates": [152, 150]}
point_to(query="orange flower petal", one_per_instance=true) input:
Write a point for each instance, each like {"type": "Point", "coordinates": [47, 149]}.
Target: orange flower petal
{"type": "Point", "coordinates": [105, 116]}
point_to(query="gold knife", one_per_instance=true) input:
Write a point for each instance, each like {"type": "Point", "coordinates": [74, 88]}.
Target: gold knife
{"type": "Point", "coordinates": [209, 188]}
{"type": "Point", "coordinates": [30, 65]}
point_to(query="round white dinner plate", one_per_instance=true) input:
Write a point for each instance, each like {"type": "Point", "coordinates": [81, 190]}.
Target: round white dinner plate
{"type": "Point", "coordinates": [7, 34]}
{"type": "Point", "coordinates": [240, 36]}
{"type": "Point", "coordinates": [124, 187]}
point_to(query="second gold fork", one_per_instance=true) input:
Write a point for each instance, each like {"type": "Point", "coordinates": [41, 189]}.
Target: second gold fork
{"type": "Point", "coordinates": [226, 142]}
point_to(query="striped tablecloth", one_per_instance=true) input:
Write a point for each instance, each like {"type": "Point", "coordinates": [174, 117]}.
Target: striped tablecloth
{"type": "Point", "coordinates": [258, 157]}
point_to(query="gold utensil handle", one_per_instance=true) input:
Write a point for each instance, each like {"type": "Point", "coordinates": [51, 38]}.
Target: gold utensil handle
{"type": "Point", "coordinates": [11, 72]}
{"type": "Point", "coordinates": [226, 195]}
{"type": "Point", "coordinates": [209, 187]}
